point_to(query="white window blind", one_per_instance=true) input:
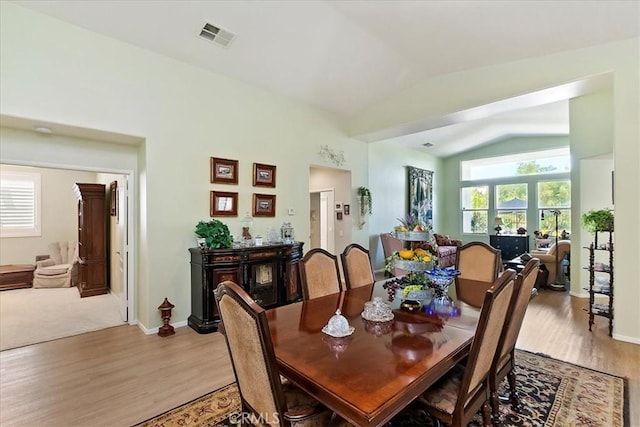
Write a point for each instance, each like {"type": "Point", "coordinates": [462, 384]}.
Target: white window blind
{"type": "Point", "coordinates": [19, 204]}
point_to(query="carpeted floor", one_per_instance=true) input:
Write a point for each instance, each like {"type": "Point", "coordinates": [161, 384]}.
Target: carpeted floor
{"type": "Point", "coordinates": [29, 316]}
{"type": "Point", "coordinates": [553, 393]}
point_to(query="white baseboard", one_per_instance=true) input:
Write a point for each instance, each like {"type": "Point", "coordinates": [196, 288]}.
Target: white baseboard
{"type": "Point", "coordinates": [633, 340]}
{"type": "Point", "coordinates": [152, 331]}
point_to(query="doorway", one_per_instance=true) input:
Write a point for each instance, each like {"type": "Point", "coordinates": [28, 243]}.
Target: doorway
{"type": "Point", "coordinates": [321, 220]}
{"type": "Point", "coordinates": [330, 219]}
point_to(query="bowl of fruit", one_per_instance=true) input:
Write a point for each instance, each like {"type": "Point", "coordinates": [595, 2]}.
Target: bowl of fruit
{"type": "Point", "coordinates": [411, 229]}
{"type": "Point", "coordinates": [412, 260]}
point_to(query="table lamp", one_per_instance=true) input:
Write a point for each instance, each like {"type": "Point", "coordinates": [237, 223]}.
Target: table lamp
{"type": "Point", "coordinates": [497, 222]}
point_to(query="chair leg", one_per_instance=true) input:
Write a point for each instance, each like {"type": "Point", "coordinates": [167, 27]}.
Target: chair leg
{"type": "Point", "coordinates": [515, 402]}
{"type": "Point", "coordinates": [486, 414]}
{"type": "Point", "coordinates": [495, 405]}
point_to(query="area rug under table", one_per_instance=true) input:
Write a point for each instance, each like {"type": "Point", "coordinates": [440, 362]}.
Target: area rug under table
{"type": "Point", "coordinates": [552, 393]}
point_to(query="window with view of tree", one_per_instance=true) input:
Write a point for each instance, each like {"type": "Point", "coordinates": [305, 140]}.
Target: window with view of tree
{"type": "Point", "coordinates": [512, 183]}
{"type": "Point", "coordinates": [554, 195]}
{"type": "Point", "coordinates": [511, 206]}
{"type": "Point", "coordinates": [475, 209]}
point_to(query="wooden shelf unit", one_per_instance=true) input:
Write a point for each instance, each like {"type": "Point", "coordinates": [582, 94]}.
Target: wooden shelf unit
{"type": "Point", "coordinates": [595, 269]}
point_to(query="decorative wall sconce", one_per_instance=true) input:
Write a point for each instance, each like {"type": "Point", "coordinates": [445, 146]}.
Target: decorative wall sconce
{"type": "Point", "coordinates": [335, 157]}
{"type": "Point", "coordinates": [165, 311]}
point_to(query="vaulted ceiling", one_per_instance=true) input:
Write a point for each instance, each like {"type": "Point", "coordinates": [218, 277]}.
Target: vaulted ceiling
{"type": "Point", "coordinates": [343, 56]}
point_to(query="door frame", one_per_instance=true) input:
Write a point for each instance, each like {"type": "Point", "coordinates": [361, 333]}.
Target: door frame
{"type": "Point", "coordinates": [132, 318]}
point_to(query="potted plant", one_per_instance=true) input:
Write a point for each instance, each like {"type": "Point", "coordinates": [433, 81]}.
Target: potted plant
{"type": "Point", "coordinates": [216, 234]}
{"type": "Point", "coordinates": [598, 220]}
{"type": "Point", "coordinates": [366, 201]}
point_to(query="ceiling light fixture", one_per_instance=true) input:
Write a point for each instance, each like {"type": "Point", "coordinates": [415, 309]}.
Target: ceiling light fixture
{"type": "Point", "coordinates": [217, 35]}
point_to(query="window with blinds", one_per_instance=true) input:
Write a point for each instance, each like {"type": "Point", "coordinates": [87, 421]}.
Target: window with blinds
{"type": "Point", "coordinates": [19, 204]}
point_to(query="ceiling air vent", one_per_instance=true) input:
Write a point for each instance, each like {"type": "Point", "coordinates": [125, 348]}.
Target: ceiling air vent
{"type": "Point", "coordinates": [217, 35]}
{"type": "Point", "coordinates": [427, 145]}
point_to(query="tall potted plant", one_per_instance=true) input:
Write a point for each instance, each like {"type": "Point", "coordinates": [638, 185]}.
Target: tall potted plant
{"type": "Point", "coordinates": [216, 234]}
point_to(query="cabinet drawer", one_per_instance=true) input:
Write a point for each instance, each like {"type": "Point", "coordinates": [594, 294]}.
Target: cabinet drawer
{"type": "Point", "coordinates": [217, 259]}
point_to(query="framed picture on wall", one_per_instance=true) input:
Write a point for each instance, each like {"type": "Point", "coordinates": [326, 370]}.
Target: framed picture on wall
{"type": "Point", "coordinates": [224, 203]}
{"type": "Point", "coordinates": [264, 204]}
{"type": "Point", "coordinates": [264, 175]}
{"type": "Point", "coordinates": [338, 207]}
{"type": "Point", "coordinates": [113, 194]}
{"type": "Point", "coordinates": [346, 209]}
{"type": "Point", "coordinates": [224, 171]}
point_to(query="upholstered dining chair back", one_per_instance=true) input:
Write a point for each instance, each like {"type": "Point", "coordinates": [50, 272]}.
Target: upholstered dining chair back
{"type": "Point", "coordinates": [253, 359]}
{"type": "Point", "coordinates": [479, 263]}
{"type": "Point", "coordinates": [457, 405]}
{"type": "Point", "coordinates": [250, 349]}
{"type": "Point", "coordinates": [356, 265]}
{"type": "Point", "coordinates": [490, 326]}
{"type": "Point", "coordinates": [319, 274]}
{"type": "Point", "coordinates": [505, 359]}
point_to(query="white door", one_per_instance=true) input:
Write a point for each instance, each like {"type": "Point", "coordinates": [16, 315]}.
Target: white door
{"type": "Point", "coordinates": [119, 285]}
{"type": "Point", "coordinates": [327, 240]}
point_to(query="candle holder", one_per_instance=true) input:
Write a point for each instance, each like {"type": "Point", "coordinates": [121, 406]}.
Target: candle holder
{"type": "Point", "coordinates": [165, 311]}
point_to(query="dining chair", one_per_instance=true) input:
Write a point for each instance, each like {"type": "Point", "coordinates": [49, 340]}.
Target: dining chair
{"type": "Point", "coordinates": [505, 358]}
{"type": "Point", "coordinates": [479, 265]}
{"type": "Point", "coordinates": [319, 274]}
{"type": "Point", "coordinates": [458, 396]}
{"type": "Point", "coordinates": [356, 265]}
{"type": "Point", "coordinates": [264, 394]}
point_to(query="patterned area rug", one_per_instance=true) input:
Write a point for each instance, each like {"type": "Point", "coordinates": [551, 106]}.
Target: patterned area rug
{"type": "Point", "coordinates": [552, 393]}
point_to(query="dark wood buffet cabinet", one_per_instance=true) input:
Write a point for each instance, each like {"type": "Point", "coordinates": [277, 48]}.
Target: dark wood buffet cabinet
{"type": "Point", "coordinates": [511, 245]}
{"type": "Point", "coordinates": [268, 273]}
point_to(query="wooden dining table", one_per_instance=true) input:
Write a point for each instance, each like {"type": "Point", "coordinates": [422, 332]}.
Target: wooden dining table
{"type": "Point", "coordinates": [372, 374]}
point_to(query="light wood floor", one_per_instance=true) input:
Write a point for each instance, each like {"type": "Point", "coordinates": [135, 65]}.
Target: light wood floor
{"type": "Point", "coordinates": [119, 376]}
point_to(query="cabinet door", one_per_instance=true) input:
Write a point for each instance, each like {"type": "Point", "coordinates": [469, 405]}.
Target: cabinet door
{"type": "Point", "coordinates": [263, 283]}
{"type": "Point", "coordinates": [224, 274]}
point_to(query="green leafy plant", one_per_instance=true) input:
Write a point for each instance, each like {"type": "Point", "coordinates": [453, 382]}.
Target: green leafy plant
{"type": "Point", "coordinates": [598, 220]}
{"type": "Point", "coordinates": [215, 232]}
{"type": "Point", "coordinates": [362, 193]}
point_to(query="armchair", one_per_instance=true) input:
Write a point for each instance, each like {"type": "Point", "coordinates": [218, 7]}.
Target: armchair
{"type": "Point", "coordinates": [447, 250]}
{"type": "Point", "coordinates": [548, 258]}
{"type": "Point", "coordinates": [60, 269]}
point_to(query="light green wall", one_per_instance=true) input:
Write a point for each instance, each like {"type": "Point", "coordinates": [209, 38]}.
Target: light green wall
{"type": "Point", "coordinates": [184, 115]}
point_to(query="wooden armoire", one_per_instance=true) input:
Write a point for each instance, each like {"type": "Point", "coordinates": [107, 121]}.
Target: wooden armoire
{"type": "Point", "coordinates": [92, 239]}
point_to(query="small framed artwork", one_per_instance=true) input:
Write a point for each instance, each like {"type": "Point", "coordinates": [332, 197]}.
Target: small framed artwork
{"type": "Point", "coordinates": [113, 210]}
{"type": "Point", "coordinates": [339, 216]}
{"type": "Point", "coordinates": [224, 171]}
{"type": "Point", "coordinates": [264, 204]}
{"type": "Point", "coordinates": [346, 209]}
{"type": "Point", "coordinates": [224, 203]}
{"type": "Point", "coordinates": [264, 175]}
{"type": "Point", "coordinates": [338, 207]}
